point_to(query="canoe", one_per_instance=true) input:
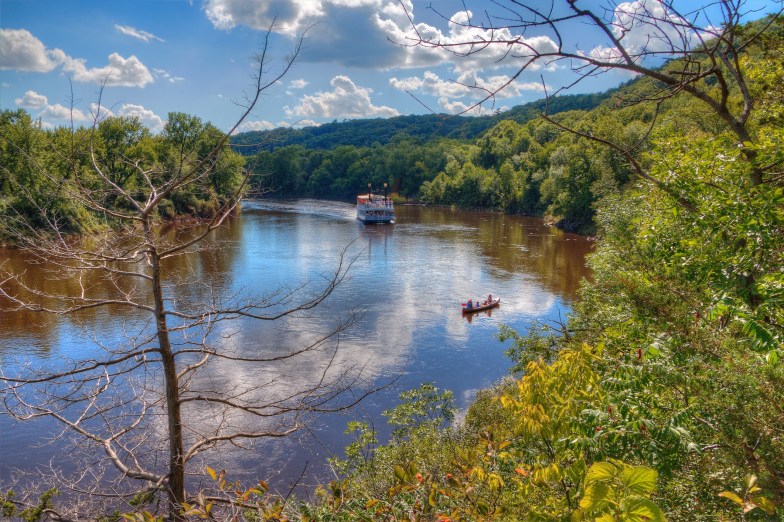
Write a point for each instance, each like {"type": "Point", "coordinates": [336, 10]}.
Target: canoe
{"type": "Point", "coordinates": [479, 307]}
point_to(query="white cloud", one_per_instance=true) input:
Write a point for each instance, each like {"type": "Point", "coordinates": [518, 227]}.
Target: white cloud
{"type": "Point", "coordinates": [469, 85]}
{"type": "Point", "coordinates": [21, 51]}
{"type": "Point", "coordinates": [148, 118]}
{"type": "Point", "coordinates": [300, 124]}
{"type": "Point", "coordinates": [137, 33]}
{"type": "Point", "coordinates": [346, 100]}
{"type": "Point", "coordinates": [99, 112]}
{"type": "Point", "coordinates": [289, 16]}
{"type": "Point", "coordinates": [120, 72]}
{"type": "Point", "coordinates": [258, 125]}
{"type": "Point", "coordinates": [262, 125]}
{"type": "Point", "coordinates": [451, 47]}
{"type": "Point", "coordinates": [357, 33]}
{"type": "Point", "coordinates": [166, 75]}
{"type": "Point", "coordinates": [644, 27]}
{"type": "Point", "coordinates": [458, 107]}
{"type": "Point", "coordinates": [298, 84]}
{"type": "Point", "coordinates": [60, 112]}
{"type": "Point", "coordinates": [32, 100]}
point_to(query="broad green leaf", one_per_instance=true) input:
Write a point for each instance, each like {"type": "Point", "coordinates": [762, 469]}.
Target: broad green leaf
{"type": "Point", "coordinates": [637, 509]}
{"type": "Point", "coordinates": [601, 471]}
{"type": "Point", "coordinates": [595, 497]}
{"type": "Point", "coordinates": [639, 479]}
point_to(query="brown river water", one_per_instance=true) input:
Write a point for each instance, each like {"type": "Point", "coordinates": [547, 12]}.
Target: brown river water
{"type": "Point", "coordinates": [407, 284]}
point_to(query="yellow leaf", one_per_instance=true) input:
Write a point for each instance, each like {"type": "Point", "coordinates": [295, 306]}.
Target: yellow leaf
{"type": "Point", "coordinates": [732, 496]}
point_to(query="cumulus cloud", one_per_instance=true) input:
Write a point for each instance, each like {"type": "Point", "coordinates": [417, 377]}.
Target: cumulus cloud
{"type": "Point", "coordinates": [357, 33]}
{"type": "Point", "coordinates": [52, 115]}
{"type": "Point", "coordinates": [144, 36]}
{"type": "Point", "coordinates": [62, 113]}
{"type": "Point", "coordinates": [58, 114]}
{"type": "Point", "coordinates": [148, 118]}
{"type": "Point", "coordinates": [120, 72]}
{"type": "Point", "coordinates": [32, 100]}
{"type": "Point", "coordinates": [469, 85]}
{"type": "Point", "coordinates": [346, 100]}
{"type": "Point", "coordinates": [21, 51]}
{"type": "Point", "coordinates": [644, 27]}
{"type": "Point", "coordinates": [454, 47]}
{"type": "Point", "coordinates": [99, 112]}
{"type": "Point", "coordinates": [298, 84]}
{"type": "Point", "coordinates": [290, 16]}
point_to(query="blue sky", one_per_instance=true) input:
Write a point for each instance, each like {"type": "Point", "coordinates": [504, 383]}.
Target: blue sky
{"type": "Point", "coordinates": [159, 56]}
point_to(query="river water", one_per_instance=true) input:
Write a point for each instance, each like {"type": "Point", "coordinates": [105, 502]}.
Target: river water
{"type": "Point", "coordinates": [405, 287]}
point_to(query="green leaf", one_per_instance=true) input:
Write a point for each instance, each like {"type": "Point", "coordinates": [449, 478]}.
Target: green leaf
{"type": "Point", "coordinates": [400, 474]}
{"type": "Point", "coordinates": [639, 479]}
{"type": "Point", "coordinates": [595, 497]}
{"type": "Point", "coordinates": [601, 471]}
{"type": "Point", "coordinates": [637, 509]}
{"type": "Point", "coordinates": [765, 505]}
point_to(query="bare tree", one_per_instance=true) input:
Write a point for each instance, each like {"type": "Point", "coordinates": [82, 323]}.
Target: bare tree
{"type": "Point", "coordinates": [685, 47]}
{"type": "Point", "coordinates": [141, 402]}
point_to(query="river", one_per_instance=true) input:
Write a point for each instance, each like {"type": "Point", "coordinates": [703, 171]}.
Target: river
{"type": "Point", "coordinates": [406, 285]}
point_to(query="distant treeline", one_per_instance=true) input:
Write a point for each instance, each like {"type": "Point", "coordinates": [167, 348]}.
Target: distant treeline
{"type": "Point", "coordinates": [378, 131]}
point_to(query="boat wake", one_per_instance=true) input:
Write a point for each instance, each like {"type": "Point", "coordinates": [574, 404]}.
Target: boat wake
{"type": "Point", "coordinates": [312, 207]}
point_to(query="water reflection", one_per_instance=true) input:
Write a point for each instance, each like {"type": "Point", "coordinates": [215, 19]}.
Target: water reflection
{"type": "Point", "coordinates": [470, 316]}
{"type": "Point", "coordinates": [408, 281]}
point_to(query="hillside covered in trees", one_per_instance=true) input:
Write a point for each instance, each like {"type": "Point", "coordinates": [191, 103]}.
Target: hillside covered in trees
{"type": "Point", "coordinates": [366, 133]}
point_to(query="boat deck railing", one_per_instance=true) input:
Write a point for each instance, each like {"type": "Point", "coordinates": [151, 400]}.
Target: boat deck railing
{"type": "Point", "coordinates": [377, 204]}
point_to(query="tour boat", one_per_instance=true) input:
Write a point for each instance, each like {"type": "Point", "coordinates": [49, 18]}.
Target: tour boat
{"type": "Point", "coordinates": [478, 307]}
{"type": "Point", "coordinates": [373, 208]}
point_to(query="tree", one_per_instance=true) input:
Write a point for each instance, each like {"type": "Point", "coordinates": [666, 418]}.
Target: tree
{"type": "Point", "coordinates": [110, 401]}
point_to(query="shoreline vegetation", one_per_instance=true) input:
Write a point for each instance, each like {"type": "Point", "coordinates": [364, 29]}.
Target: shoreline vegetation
{"type": "Point", "coordinates": [660, 397]}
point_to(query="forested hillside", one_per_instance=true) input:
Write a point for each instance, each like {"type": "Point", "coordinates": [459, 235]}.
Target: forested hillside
{"type": "Point", "coordinates": [366, 133]}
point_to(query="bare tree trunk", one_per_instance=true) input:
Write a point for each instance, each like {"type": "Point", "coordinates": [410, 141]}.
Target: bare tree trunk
{"type": "Point", "coordinates": [176, 474]}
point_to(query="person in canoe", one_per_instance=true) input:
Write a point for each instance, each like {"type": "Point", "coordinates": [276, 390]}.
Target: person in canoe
{"type": "Point", "coordinates": [470, 304]}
